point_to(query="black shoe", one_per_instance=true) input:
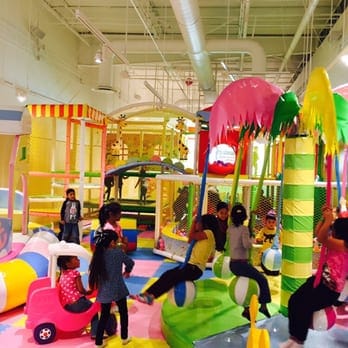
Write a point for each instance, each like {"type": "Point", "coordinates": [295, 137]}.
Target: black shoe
{"type": "Point", "coordinates": [246, 313]}
{"type": "Point", "coordinates": [264, 311]}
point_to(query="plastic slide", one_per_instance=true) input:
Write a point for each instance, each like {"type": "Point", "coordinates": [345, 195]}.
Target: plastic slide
{"type": "Point", "coordinates": [125, 167]}
{"type": "Point", "coordinates": [31, 263]}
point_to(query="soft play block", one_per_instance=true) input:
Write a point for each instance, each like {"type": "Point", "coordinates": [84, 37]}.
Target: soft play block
{"type": "Point", "coordinates": [132, 236]}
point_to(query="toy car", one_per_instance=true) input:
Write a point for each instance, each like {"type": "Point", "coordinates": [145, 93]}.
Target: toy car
{"type": "Point", "coordinates": [45, 314]}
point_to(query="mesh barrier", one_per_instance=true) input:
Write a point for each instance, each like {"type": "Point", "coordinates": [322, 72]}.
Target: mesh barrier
{"type": "Point", "coordinates": [178, 199]}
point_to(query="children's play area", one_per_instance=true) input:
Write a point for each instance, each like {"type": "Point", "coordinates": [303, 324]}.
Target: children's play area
{"type": "Point", "coordinates": [255, 145]}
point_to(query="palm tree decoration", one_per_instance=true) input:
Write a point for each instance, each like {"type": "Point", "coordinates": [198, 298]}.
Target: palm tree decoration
{"type": "Point", "coordinates": [318, 117]}
{"type": "Point", "coordinates": [247, 104]}
{"type": "Point", "coordinates": [286, 109]}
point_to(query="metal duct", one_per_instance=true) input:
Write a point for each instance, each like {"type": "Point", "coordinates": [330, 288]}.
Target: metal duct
{"type": "Point", "coordinates": [253, 48]}
{"type": "Point", "coordinates": [105, 77]}
{"type": "Point", "coordinates": [188, 17]}
{"type": "Point", "coordinates": [304, 22]}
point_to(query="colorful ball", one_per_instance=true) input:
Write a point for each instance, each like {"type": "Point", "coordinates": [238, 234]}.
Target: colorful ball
{"type": "Point", "coordinates": [241, 289]}
{"type": "Point", "coordinates": [182, 294]}
{"type": "Point", "coordinates": [324, 319]}
{"type": "Point", "coordinates": [221, 267]}
{"type": "Point", "coordinates": [272, 259]}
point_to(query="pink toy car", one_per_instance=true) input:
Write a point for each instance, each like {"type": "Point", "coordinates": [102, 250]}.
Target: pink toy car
{"type": "Point", "coordinates": [45, 314]}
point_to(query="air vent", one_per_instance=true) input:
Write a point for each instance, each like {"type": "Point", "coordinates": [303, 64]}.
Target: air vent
{"type": "Point", "coordinates": [104, 89]}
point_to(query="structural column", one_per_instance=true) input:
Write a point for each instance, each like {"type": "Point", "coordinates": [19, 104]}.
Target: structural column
{"type": "Point", "coordinates": [297, 217]}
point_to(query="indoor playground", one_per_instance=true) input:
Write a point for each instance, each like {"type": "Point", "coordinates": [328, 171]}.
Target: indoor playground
{"type": "Point", "coordinates": [269, 152]}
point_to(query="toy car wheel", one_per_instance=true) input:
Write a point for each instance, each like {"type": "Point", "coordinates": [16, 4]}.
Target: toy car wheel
{"type": "Point", "coordinates": [45, 333]}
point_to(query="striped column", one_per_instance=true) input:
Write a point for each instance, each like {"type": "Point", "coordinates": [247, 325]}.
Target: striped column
{"type": "Point", "coordinates": [297, 217]}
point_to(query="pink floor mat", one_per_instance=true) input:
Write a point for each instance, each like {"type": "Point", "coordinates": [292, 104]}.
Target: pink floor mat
{"type": "Point", "coordinates": [146, 234]}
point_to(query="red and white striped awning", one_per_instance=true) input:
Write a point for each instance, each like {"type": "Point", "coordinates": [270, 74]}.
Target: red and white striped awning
{"type": "Point", "coordinates": [74, 111]}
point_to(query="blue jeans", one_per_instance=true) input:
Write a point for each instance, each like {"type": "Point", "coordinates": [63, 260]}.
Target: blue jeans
{"type": "Point", "coordinates": [71, 232]}
{"type": "Point", "coordinates": [245, 269]}
{"type": "Point", "coordinates": [304, 302]}
{"type": "Point", "coordinates": [80, 306]}
{"type": "Point", "coordinates": [172, 277]}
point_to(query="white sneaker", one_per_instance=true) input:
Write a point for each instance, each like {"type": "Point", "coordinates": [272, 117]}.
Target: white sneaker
{"type": "Point", "coordinates": [126, 340]}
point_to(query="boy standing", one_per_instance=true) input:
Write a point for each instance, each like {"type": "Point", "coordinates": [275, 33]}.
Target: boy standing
{"type": "Point", "coordinates": [70, 215]}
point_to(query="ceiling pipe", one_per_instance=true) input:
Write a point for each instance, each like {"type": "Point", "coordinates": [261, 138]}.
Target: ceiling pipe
{"type": "Point", "coordinates": [188, 17]}
{"type": "Point", "coordinates": [327, 56]}
{"type": "Point", "coordinates": [243, 25]}
{"type": "Point", "coordinates": [154, 92]}
{"type": "Point", "coordinates": [58, 16]}
{"type": "Point", "coordinates": [251, 47]}
{"type": "Point", "coordinates": [300, 29]}
{"type": "Point", "coordinates": [169, 71]}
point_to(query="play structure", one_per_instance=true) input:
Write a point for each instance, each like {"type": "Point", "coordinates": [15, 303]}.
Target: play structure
{"type": "Point", "coordinates": [297, 196]}
{"type": "Point", "coordinates": [15, 130]}
{"type": "Point", "coordinates": [53, 147]}
{"type": "Point", "coordinates": [67, 149]}
{"type": "Point", "coordinates": [298, 189]}
{"type": "Point", "coordinates": [164, 135]}
{"type": "Point", "coordinates": [173, 233]}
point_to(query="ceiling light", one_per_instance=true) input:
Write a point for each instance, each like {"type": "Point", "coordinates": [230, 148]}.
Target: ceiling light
{"type": "Point", "coordinates": [21, 95]}
{"type": "Point", "coordinates": [99, 35]}
{"type": "Point", "coordinates": [224, 65]}
{"type": "Point", "coordinates": [37, 32]}
{"type": "Point", "coordinates": [231, 77]}
{"type": "Point", "coordinates": [344, 59]}
{"type": "Point", "coordinates": [98, 58]}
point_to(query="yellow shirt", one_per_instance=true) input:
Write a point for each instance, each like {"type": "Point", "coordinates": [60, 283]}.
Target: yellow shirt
{"type": "Point", "coordinates": [266, 236]}
{"type": "Point", "coordinates": [202, 250]}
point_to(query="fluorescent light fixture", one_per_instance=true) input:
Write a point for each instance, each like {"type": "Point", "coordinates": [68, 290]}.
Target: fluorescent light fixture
{"type": "Point", "coordinates": [231, 77]}
{"type": "Point", "coordinates": [99, 35]}
{"type": "Point", "coordinates": [98, 58]}
{"type": "Point", "coordinates": [21, 95]}
{"type": "Point", "coordinates": [344, 59]}
{"type": "Point", "coordinates": [224, 65]}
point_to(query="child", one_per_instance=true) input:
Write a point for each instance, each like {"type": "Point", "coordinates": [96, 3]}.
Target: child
{"type": "Point", "coordinates": [222, 218]}
{"type": "Point", "coordinates": [109, 182]}
{"type": "Point", "coordinates": [72, 291]}
{"type": "Point", "coordinates": [180, 204]}
{"type": "Point", "coordinates": [203, 232]}
{"type": "Point", "coordinates": [70, 215]}
{"type": "Point", "coordinates": [240, 243]}
{"type": "Point", "coordinates": [266, 236]}
{"type": "Point", "coordinates": [109, 217]}
{"type": "Point", "coordinates": [263, 207]}
{"type": "Point", "coordinates": [106, 275]}
{"type": "Point", "coordinates": [142, 183]}
{"type": "Point", "coordinates": [310, 296]}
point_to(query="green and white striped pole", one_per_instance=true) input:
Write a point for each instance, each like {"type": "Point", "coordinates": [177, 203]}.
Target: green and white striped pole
{"type": "Point", "coordinates": [297, 217]}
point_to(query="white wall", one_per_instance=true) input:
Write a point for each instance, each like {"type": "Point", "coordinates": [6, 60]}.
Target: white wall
{"type": "Point", "coordinates": [50, 75]}
{"type": "Point", "coordinates": [63, 69]}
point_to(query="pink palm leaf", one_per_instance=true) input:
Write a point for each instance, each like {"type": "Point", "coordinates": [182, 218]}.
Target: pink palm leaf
{"type": "Point", "coordinates": [247, 104]}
